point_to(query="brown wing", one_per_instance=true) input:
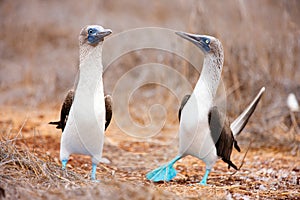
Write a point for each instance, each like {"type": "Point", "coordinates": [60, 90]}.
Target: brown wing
{"type": "Point", "coordinates": [222, 135]}
{"type": "Point", "coordinates": [64, 112]}
{"type": "Point", "coordinates": [108, 108]}
{"type": "Point", "coordinates": [183, 102]}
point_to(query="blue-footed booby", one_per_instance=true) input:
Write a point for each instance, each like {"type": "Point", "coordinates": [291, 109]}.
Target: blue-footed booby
{"type": "Point", "coordinates": [84, 130]}
{"type": "Point", "coordinates": [204, 132]}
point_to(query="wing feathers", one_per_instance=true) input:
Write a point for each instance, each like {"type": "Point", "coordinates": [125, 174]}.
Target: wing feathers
{"type": "Point", "coordinates": [183, 102]}
{"type": "Point", "coordinates": [64, 112]}
{"type": "Point", "coordinates": [240, 122]}
{"type": "Point", "coordinates": [108, 107]}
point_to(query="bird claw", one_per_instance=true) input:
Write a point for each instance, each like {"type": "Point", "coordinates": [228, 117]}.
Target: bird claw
{"type": "Point", "coordinates": [203, 183]}
{"type": "Point", "coordinates": [95, 181]}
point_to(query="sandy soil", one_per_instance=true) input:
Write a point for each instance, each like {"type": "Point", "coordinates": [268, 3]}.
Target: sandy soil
{"type": "Point", "coordinates": [269, 171]}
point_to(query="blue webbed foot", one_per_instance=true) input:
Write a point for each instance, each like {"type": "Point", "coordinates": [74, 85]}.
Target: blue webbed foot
{"type": "Point", "coordinates": [163, 173]}
{"type": "Point", "coordinates": [203, 182]}
{"type": "Point", "coordinates": [204, 179]}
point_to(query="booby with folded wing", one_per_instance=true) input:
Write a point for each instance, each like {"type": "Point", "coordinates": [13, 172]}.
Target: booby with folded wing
{"type": "Point", "coordinates": [84, 129]}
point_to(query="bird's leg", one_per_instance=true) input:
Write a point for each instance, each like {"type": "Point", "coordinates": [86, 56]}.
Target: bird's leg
{"type": "Point", "coordinates": [64, 164]}
{"type": "Point", "coordinates": [204, 179]}
{"type": "Point", "coordinates": [93, 175]}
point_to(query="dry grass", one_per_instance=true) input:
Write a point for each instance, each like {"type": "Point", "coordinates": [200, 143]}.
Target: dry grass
{"type": "Point", "coordinates": [25, 175]}
{"type": "Point", "coordinates": [25, 171]}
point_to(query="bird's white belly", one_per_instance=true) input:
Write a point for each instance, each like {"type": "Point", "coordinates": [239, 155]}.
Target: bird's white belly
{"type": "Point", "coordinates": [84, 132]}
{"type": "Point", "coordinates": [194, 132]}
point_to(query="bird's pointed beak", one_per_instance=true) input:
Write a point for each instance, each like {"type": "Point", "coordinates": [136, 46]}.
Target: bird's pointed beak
{"type": "Point", "coordinates": [101, 35]}
{"type": "Point", "coordinates": [198, 40]}
{"type": "Point", "coordinates": [188, 36]}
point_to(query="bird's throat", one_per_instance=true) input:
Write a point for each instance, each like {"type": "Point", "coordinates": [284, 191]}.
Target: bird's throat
{"type": "Point", "coordinates": [207, 85]}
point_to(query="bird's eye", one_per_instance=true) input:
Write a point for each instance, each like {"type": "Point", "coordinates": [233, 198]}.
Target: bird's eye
{"type": "Point", "coordinates": [90, 31]}
{"type": "Point", "coordinates": [207, 41]}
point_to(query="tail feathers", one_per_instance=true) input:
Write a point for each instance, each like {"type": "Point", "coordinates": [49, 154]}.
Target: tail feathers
{"type": "Point", "coordinates": [240, 122]}
{"type": "Point", "coordinates": [59, 125]}
{"type": "Point", "coordinates": [230, 164]}
{"type": "Point", "coordinates": [236, 146]}
{"type": "Point", "coordinates": [164, 173]}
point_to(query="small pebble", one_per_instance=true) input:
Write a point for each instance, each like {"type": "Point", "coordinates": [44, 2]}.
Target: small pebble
{"type": "Point", "coordinates": [262, 187]}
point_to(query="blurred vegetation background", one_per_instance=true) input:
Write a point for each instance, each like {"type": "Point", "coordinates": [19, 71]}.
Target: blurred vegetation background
{"type": "Point", "coordinates": [261, 39]}
{"type": "Point", "coordinates": [39, 59]}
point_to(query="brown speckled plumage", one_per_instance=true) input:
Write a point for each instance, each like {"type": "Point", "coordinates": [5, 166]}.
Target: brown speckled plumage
{"type": "Point", "coordinates": [217, 50]}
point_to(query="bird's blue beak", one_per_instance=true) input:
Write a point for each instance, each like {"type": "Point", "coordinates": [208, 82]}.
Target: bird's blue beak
{"type": "Point", "coordinates": [200, 41]}
{"type": "Point", "coordinates": [103, 33]}
{"type": "Point", "coordinates": [98, 36]}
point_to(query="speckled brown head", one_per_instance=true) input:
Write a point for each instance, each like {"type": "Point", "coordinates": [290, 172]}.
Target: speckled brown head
{"type": "Point", "coordinates": [208, 44]}
{"type": "Point", "coordinates": [93, 35]}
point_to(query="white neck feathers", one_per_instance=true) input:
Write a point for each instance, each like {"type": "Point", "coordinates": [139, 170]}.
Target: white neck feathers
{"type": "Point", "coordinates": [208, 82]}
{"type": "Point", "coordinates": [90, 69]}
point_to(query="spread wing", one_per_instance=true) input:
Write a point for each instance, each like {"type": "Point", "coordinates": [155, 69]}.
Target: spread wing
{"type": "Point", "coordinates": [240, 122]}
{"type": "Point", "coordinates": [65, 109]}
{"type": "Point", "coordinates": [183, 102]}
{"type": "Point", "coordinates": [222, 135]}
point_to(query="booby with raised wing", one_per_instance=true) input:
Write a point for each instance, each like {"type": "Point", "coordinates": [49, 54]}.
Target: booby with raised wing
{"type": "Point", "coordinates": [84, 130]}
{"type": "Point", "coordinates": [66, 106]}
{"type": "Point", "coordinates": [204, 132]}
